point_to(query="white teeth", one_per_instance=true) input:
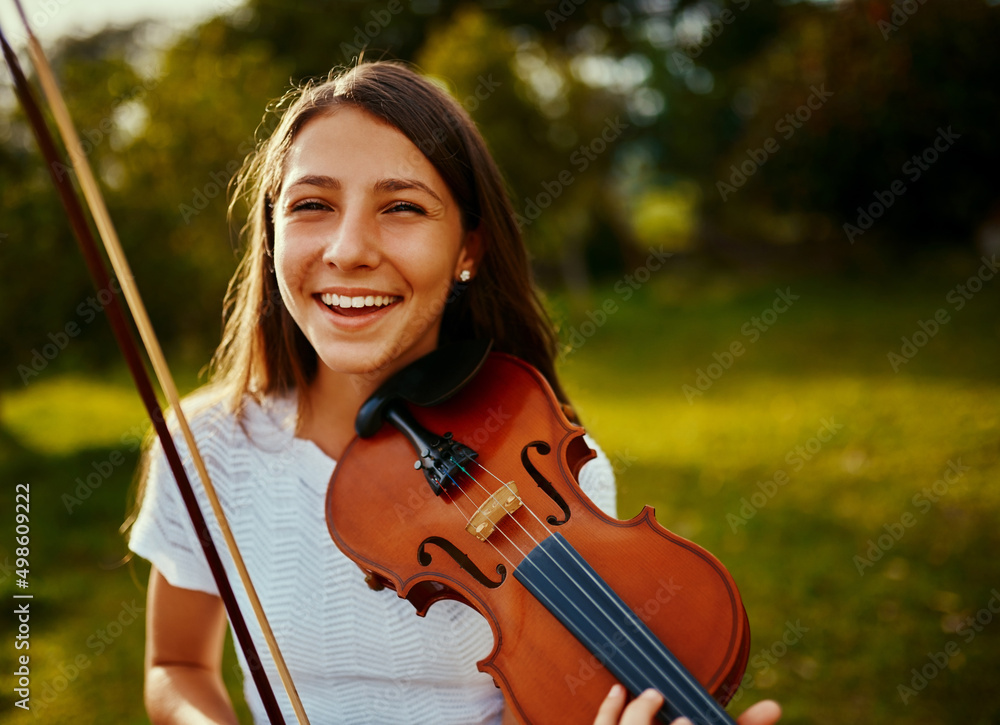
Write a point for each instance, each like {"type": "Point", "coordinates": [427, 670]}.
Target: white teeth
{"type": "Point", "coordinates": [345, 302]}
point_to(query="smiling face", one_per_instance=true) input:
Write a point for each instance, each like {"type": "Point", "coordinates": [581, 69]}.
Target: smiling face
{"type": "Point", "coordinates": [368, 240]}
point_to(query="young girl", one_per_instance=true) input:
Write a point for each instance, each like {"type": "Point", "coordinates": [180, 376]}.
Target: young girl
{"type": "Point", "coordinates": [379, 229]}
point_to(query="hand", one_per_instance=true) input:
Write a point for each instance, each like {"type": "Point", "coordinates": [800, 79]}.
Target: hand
{"type": "Point", "coordinates": [640, 711]}
{"type": "Point", "coordinates": [765, 712]}
{"type": "Point", "coordinates": [643, 709]}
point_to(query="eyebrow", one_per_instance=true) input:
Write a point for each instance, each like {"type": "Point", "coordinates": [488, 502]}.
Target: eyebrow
{"type": "Point", "coordinates": [400, 184]}
{"type": "Point", "coordinates": [382, 185]}
{"type": "Point", "coordinates": [326, 182]}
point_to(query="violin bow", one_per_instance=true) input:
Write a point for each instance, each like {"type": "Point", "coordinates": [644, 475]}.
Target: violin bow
{"type": "Point", "coordinates": [133, 359]}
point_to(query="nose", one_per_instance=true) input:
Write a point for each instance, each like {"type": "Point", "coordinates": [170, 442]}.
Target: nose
{"type": "Point", "coordinates": [353, 242]}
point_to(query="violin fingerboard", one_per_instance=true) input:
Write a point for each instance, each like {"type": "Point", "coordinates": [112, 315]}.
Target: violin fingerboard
{"type": "Point", "coordinates": [575, 594]}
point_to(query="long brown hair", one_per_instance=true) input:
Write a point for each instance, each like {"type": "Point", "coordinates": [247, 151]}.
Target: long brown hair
{"type": "Point", "coordinates": [263, 352]}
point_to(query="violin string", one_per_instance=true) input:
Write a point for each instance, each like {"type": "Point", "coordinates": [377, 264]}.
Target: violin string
{"type": "Point", "coordinates": [529, 509]}
{"type": "Point", "coordinates": [504, 534]}
{"type": "Point", "coordinates": [521, 526]}
{"type": "Point", "coordinates": [468, 520]}
{"type": "Point", "coordinates": [680, 672]}
{"type": "Point", "coordinates": [684, 675]}
{"type": "Point", "coordinates": [511, 492]}
{"type": "Point", "coordinates": [647, 635]}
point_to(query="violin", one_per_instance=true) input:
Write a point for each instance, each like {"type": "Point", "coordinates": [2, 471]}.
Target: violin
{"type": "Point", "coordinates": [490, 513]}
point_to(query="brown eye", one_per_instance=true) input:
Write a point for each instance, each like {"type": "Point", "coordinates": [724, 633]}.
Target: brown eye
{"type": "Point", "coordinates": [309, 205]}
{"type": "Point", "coordinates": [406, 206]}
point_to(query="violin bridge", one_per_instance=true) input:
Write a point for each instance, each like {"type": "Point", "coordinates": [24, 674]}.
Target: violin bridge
{"type": "Point", "coordinates": [502, 502]}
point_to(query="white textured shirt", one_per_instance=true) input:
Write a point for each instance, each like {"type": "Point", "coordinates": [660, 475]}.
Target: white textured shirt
{"type": "Point", "coordinates": [355, 655]}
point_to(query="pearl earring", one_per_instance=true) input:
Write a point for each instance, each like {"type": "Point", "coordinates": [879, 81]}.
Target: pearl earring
{"type": "Point", "coordinates": [464, 276]}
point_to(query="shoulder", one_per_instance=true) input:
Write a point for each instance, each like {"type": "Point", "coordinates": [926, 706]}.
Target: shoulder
{"type": "Point", "coordinates": [597, 479]}
{"type": "Point", "coordinates": [222, 429]}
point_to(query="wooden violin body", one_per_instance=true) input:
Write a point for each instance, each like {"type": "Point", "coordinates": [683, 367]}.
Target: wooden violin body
{"type": "Point", "coordinates": [383, 515]}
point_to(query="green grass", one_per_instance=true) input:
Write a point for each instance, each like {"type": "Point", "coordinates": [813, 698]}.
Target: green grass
{"type": "Point", "coordinates": [75, 442]}
{"type": "Point", "coordinates": [699, 462]}
{"type": "Point", "coordinates": [825, 359]}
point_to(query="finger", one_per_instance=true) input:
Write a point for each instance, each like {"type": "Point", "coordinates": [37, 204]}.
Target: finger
{"type": "Point", "coordinates": [642, 709]}
{"type": "Point", "coordinates": [764, 712]}
{"type": "Point", "coordinates": [612, 706]}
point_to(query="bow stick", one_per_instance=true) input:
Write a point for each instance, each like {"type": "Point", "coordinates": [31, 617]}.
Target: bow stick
{"type": "Point", "coordinates": [144, 385]}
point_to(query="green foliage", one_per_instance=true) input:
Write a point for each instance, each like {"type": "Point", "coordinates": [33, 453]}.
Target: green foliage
{"type": "Point", "coordinates": [894, 80]}
{"type": "Point", "coordinates": [605, 118]}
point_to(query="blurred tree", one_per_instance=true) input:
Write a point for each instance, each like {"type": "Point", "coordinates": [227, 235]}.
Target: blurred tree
{"type": "Point", "coordinates": [553, 136]}
{"type": "Point", "coordinates": [882, 118]}
{"type": "Point", "coordinates": [732, 127]}
{"type": "Point", "coordinates": [201, 122]}
{"type": "Point", "coordinates": [49, 304]}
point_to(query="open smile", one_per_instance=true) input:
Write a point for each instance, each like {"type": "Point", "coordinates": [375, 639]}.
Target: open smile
{"type": "Point", "coordinates": [357, 305]}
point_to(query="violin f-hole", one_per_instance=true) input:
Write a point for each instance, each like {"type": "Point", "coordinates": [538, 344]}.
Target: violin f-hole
{"type": "Point", "coordinates": [462, 559]}
{"type": "Point", "coordinates": [544, 483]}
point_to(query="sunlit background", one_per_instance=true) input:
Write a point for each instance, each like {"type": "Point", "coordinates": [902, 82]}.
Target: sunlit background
{"type": "Point", "coordinates": [768, 232]}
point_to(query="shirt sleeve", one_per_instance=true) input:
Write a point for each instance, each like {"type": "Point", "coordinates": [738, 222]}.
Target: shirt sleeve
{"type": "Point", "coordinates": [163, 533]}
{"type": "Point", "coordinates": [597, 479]}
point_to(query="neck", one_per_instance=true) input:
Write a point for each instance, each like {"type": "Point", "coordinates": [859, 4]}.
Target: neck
{"type": "Point", "coordinates": [334, 399]}
{"type": "Point", "coordinates": [333, 402]}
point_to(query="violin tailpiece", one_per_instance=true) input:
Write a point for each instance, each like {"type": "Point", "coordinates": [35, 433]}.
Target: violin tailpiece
{"type": "Point", "coordinates": [442, 458]}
